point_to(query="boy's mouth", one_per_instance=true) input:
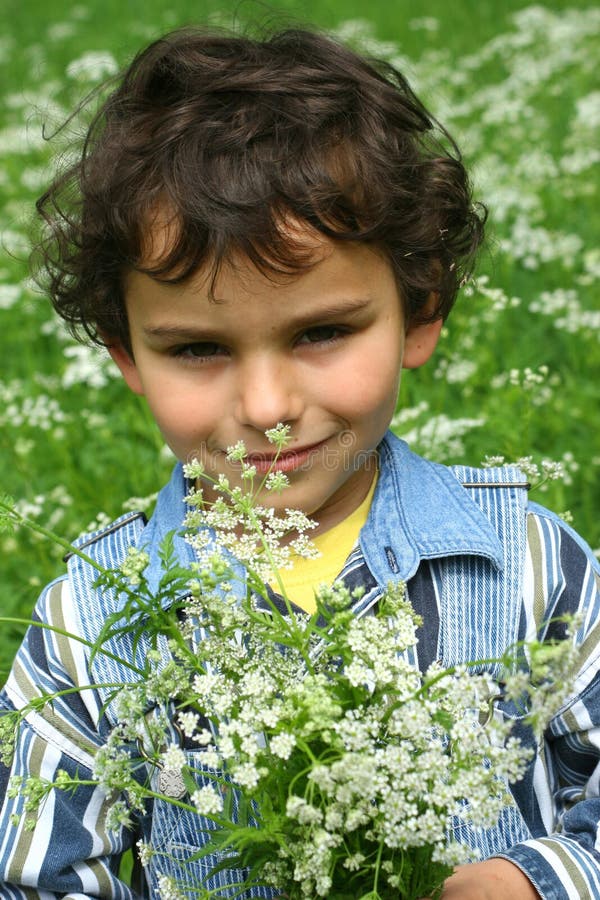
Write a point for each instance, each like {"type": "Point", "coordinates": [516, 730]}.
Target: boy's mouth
{"type": "Point", "coordinates": [286, 461]}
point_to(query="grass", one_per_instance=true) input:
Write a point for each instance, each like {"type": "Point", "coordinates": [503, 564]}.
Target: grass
{"type": "Point", "coordinates": [520, 95]}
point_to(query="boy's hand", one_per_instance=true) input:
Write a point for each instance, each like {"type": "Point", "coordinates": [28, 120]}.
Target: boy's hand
{"type": "Point", "coordinates": [494, 879]}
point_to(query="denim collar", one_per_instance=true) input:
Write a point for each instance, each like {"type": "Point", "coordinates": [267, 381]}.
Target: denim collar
{"type": "Point", "coordinates": [419, 511]}
{"type": "Point", "coordinates": [167, 518]}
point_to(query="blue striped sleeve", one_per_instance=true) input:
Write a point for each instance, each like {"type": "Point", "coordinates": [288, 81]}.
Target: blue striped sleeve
{"type": "Point", "coordinates": [563, 577]}
{"type": "Point", "coordinates": [69, 852]}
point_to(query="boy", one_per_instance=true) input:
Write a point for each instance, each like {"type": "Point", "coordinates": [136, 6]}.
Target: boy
{"type": "Point", "coordinates": [268, 232]}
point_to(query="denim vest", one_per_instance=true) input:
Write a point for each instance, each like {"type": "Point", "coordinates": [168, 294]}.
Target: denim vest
{"type": "Point", "coordinates": [470, 525]}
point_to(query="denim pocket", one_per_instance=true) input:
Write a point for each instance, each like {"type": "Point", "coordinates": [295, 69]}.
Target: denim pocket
{"type": "Point", "coordinates": [177, 835]}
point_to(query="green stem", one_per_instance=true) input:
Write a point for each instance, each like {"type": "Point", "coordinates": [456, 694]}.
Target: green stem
{"type": "Point", "coordinates": [377, 867]}
{"type": "Point", "coordinates": [32, 525]}
{"type": "Point", "coordinates": [49, 698]}
{"type": "Point", "coordinates": [297, 637]}
{"type": "Point", "coordinates": [70, 549]}
{"type": "Point", "coordinates": [74, 637]}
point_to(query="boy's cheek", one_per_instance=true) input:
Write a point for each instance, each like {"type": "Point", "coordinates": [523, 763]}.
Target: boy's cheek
{"type": "Point", "coordinates": [180, 429]}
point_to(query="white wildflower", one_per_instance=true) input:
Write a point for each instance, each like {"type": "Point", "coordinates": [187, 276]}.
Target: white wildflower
{"type": "Point", "coordinates": [283, 744]}
{"type": "Point", "coordinates": [9, 294]}
{"type": "Point", "coordinates": [138, 503]}
{"type": "Point", "coordinates": [134, 565]}
{"type": "Point", "coordinates": [20, 139]}
{"type": "Point", "coordinates": [246, 775]}
{"type": "Point", "coordinates": [298, 808]}
{"type": "Point", "coordinates": [207, 801]}
{"type": "Point", "coordinates": [145, 852]}
{"type": "Point", "coordinates": [237, 452]}
{"type": "Point", "coordinates": [203, 737]}
{"type": "Point", "coordinates": [295, 520]}
{"type": "Point", "coordinates": [588, 111]}
{"type": "Point", "coordinates": [276, 482]}
{"type": "Point", "coordinates": [222, 484]}
{"type": "Point", "coordinates": [211, 759]}
{"type": "Point", "coordinates": [279, 435]}
{"type": "Point", "coordinates": [118, 817]}
{"type": "Point", "coordinates": [456, 371]}
{"type": "Point", "coordinates": [168, 889]}
{"type": "Point", "coordinates": [358, 674]}
{"type": "Point", "coordinates": [93, 66]}
{"type": "Point", "coordinates": [187, 722]}
{"type": "Point", "coordinates": [193, 469]}
{"type": "Point", "coordinates": [440, 436]}
{"type": "Point", "coordinates": [553, 469]}
{"type": "Point", "coordinates": [87, 365]}
{"type": "Point", "coordinates": [492, 462]}
{"type": "Point", "coordinates": [173, 758]}
{"type": "Point", "coordinates": [322, 776]}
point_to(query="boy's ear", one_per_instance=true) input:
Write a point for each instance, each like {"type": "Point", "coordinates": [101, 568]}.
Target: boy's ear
{"type": "Point", "coordinates": [420, 342]}
{"type": "Point", "coordinates": [126, 364]}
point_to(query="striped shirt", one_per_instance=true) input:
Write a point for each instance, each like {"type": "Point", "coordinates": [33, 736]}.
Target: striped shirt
{"type": "Point", "coordinates": [71, 853]}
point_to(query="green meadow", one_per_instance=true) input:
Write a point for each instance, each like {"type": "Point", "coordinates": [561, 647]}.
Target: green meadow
{"type": "Point", "coordinates": [517, 372]}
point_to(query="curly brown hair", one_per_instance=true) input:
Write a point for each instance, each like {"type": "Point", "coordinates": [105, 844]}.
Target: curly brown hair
{"type": "Point", "coordinates": [233, 136]}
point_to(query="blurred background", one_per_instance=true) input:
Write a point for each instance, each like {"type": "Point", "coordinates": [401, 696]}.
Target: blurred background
{"type": "Point", "coordinates": [517, 371]}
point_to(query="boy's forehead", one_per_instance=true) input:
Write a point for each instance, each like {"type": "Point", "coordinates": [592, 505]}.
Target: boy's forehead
{"type": "Point", "coordinates": [301, 241]}
{"type": "Point", "coordinates": [158, 236]}
{"type": "Point", "coordinates": [337, 278]}
{"type": "Point", "coordinates": [318, 272]}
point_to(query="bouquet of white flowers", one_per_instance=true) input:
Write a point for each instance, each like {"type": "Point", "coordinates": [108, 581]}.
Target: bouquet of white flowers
{"type": "Point", "coordinates": [325, 763]}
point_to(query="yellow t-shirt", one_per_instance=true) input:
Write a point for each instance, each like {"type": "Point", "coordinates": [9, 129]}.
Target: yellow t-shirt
{"type": "Point", "coordinates": [334, 546]}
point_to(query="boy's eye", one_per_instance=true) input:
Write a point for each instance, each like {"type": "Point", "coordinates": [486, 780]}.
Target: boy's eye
{"type": "Point", "coordinates": [200, 350]}
{"type": "Point", "coordinates": [321, 334]}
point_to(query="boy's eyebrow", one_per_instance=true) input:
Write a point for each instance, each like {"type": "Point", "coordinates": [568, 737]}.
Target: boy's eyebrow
{"type": "Point", "coordinates": [346, 308]}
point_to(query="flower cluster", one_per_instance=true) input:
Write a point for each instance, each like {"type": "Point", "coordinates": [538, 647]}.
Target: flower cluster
{"type": "Point", "coordinates": [326, 764]}
{"type": "Point", "coordinates": [235, 522]}
{"type": "Point", "coordinates": [351, 760]}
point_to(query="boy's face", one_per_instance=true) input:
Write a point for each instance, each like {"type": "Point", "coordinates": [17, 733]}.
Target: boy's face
{"type": "Point", "coordinates": [321, 351]}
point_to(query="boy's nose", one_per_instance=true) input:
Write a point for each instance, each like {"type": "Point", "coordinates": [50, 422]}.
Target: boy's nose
{"type": "Point", "coordinates": [267, 393]}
